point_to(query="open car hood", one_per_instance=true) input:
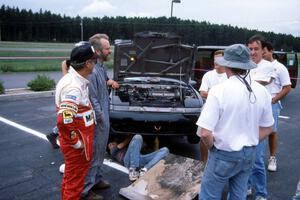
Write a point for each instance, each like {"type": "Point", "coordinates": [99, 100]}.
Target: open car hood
{"type": "Point", "coordinates": [153, 54]}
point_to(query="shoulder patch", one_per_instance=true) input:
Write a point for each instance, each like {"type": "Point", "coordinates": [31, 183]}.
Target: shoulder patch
{"type": "Point", "coordinates": [73, 97]}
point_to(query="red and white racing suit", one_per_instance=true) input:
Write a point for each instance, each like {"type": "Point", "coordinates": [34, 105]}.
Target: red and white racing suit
{"type": "Point", "coordinates": [75, 121]}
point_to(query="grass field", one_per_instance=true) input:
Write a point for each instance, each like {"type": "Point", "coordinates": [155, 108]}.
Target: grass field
{"type": "Point", "coordinates": [35, 49]}
{"type": "Point", "coordinates": [40, 49]}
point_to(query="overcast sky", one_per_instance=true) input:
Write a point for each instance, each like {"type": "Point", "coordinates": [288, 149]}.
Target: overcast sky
{"type": "Point", "coordinates": [279, 16]}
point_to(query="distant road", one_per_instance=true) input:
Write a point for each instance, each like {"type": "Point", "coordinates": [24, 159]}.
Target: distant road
{"type": "Point", "coordinates": [33, 58]}
{"type": "Point", "coordinates": [20, 79]}
{"type": "Point", "coordinates": [34, 49]}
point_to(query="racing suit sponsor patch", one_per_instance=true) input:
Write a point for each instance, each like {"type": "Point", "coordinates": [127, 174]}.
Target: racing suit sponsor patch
{"type": "Point", "coordinates": [88, 117]}
{"type": "Point", "coordinates": [68, 106]}
{"type": "Point", "coordinates": [67, 116]}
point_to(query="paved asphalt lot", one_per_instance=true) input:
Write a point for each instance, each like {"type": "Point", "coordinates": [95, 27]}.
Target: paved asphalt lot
{"type": "Point", "coordinates": [29, 166]}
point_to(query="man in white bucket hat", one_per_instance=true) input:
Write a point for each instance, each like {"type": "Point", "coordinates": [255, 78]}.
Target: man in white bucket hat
{"type": "Point", "coordinates": [237, 114]}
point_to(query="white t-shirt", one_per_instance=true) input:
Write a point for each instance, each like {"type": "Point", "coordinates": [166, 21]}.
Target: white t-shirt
{"type": "Point", "coordinates": [210, 79]}
{"type": "Point", "coordinates": [264, 71]}
{"type": "Point", "coordinates": [282, 78]}
{"type": "Point", "coordinates": [232, 118]}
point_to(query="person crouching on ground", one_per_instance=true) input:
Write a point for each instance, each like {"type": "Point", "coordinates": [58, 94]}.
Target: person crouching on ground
{"type": "Point", "coordinates": [131, 157]}
{"type": "Point", "coordinates": [237, 114]}
{"type": "Point", "coordinates": [75, 121]}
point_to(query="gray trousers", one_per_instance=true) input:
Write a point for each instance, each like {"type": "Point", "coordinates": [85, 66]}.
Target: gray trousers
{"type": "Point", "coordinates": [94, 174]}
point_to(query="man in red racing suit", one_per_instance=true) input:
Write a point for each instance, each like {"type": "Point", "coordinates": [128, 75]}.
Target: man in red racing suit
{"type": "Point", "coordinates": [75, 121]}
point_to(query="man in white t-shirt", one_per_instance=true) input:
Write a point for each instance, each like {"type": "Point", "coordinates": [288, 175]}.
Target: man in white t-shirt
{"type": "Point", "coordinates": [263, 74]}
{"type": "Point", "coordinates": [279, 88]}
{"type": "Point", "coordinates": [237, 114]}
{"type": "Point", "coordinates": [211, 78]}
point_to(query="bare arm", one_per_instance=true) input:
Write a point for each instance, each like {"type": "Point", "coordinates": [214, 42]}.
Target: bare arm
{"type": "Point", "coordinates": [264, 132]}
{"type": "Point", "coordinates": [285, 90]}
{"type": "Point", "coordinates": [203, 94]}
{"type": "Point", "coordinates": [125, 142]}
{"type": "Point", "coordinates": [207, 138]}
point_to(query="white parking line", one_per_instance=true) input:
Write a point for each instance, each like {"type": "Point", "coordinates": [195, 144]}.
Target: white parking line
{"type": "Point", "coordinates": [284, 117]}
{"type": "Point", "coordinates": [23, 128]}
{"type": "Point", "coordinates": [43, 136]}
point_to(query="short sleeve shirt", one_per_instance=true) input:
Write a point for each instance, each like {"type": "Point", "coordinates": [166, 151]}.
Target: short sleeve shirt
{"type": "Point", "coordinates": [233, 117]}
{"type": "Point", "coordinates": [282, 78]}
{"type": "Point", "coordinates": [210, 79]}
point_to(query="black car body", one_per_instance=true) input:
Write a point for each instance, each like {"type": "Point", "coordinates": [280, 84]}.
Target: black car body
{"type": "Point", "coordinates": [155, 95]}
{"type": "Point", "coordinates": [204, 62]}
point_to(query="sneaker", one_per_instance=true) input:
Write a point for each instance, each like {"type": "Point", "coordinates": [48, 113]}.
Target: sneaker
{"type": "Point", "coordinates": [133, 174]}
{"type": "Point", "coordinates": [62, 168]}
{"type": "Point", "coordinates": [260, 198]}
{"type": "Point", "coordinates": [143, 171]}
{"type": "Point", "coordinates": [249, 192]}
{"type": "Point", "coordinates": [52, 139]}
{"type": "Point", "coordinates": [272, 166]}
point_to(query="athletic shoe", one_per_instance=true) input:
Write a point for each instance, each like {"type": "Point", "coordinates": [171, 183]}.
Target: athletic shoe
{"type": "Point", "coordinates": [133, 174]}
{"type": "Point", "coordinates": [143, 171]}
{"type": "Point", "coordinates": [272, 166]}
{"type": "Point", "coordinates": [62, 168]}
{"type": "Point", "coordinates": [260, 198]}
{"type": "Point", "coordinates": [249, 192]}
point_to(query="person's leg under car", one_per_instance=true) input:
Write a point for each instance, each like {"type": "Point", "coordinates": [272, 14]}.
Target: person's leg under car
{"type": "Point", "coordinates": [132, 156]}
{"type": "Point", "coordinates": [149, 160]}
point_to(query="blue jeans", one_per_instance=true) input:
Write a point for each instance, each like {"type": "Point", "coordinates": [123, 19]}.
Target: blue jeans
{"type": "Point", "coordinates": [225, 167]}
{"type": "Point", "coordinates": [258, 178]}
{"type": "Point", "coordinates": [276, 108]}
{"type": "Point", "coordinates": [134, 159]}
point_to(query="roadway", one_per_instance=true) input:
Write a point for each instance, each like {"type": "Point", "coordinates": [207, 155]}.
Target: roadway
{"type": "Point", "coordinates": [29, 166]}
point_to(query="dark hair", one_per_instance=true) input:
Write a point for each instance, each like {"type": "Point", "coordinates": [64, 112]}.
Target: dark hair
{"type": "Point", "coordinates": [269, 46]}
{"type": "Point", "coordinates": [257, 38]}
{"type": "Point", "coordinates": [239, 71]}
{"type": "Point", "coordinates": [79, 66]}
{"type": "Point", "coordinates": [68, 63]}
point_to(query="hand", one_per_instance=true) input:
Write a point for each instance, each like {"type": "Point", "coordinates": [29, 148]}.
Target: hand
{"type": "Point", "coordinates": [111, 145]}
{"type": "Point", "coordinates": [115, 85]}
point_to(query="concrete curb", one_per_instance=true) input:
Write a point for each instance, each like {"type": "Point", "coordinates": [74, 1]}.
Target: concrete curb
{"type": "Point", "coordinates": [24, 93]}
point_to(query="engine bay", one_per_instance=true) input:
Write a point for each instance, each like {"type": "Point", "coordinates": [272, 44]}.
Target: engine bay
{"type": "Point", "coordinates": [155, 95]}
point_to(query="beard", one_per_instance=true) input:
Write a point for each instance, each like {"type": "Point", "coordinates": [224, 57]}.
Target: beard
{"type": "Point", "coordinates": [104, 57]}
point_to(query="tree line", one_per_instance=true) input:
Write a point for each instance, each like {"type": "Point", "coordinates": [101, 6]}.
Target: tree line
{"type": "Point", "coordinates": [44, 26]}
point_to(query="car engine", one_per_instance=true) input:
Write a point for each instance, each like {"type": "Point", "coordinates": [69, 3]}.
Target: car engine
{"type": "Point", "coordinates": [155, 95]}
